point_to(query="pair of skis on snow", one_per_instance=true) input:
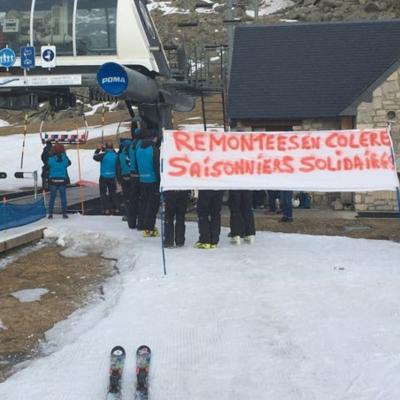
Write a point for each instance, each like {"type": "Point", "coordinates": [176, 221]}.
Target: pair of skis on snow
{"type": "Point", "coordinates": [117, 362]}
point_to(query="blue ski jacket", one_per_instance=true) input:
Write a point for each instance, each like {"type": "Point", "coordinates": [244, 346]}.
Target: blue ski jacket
{"type": "Point", "coordinates": [58, 164]}
{"type": "Point", "coordinates": [148, 161]}
{"type": "Point", "coordinates": [108, 163]}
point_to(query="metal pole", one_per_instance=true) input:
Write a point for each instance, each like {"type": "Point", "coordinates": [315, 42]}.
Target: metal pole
{"type": "Point", "coordinates": [35, 184]}
{"type": "Point", "coordinates": [203, 111]}
{"type": "Point", "coordinates": [102, 124]}
{"type": "Point", "coordinates": [256, 8]}
{"type": "Point", "coordinates": [229, 34]}
{"type": "Point", "coordinates": [224, 110]}
{"type": "Point", "coordinates": [207, 77]}
{"type": "Point", "coordinates": [80, 179]}
{"type": "Point", "coordinates": [195, 66]}
{"type": "Point", "coordinates": [162, 219]}
{"type": "Point", "coordinates": [398, 199]}
{"type": "Point", "coordinates": [221, 66]}
{"type": "Point", "coordinates": [162, 232]}
{"type": "Point", "coordinates": [395, 166]}
{"type": "Point", "coordinates": [23, 143]}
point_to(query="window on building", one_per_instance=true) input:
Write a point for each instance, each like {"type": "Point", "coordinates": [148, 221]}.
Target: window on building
{"type": "Point", "coordinates": [15, 23]}
{"type": "Point", "coordinates": [96, 27]}
{"type": "Point", "coordinates": [52, 24]}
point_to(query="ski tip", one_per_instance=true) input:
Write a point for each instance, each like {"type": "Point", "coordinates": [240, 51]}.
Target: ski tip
{"type": "Point", "coordinates": [143, 349]}
{"type": "Point", "coordinates": [118, 351]}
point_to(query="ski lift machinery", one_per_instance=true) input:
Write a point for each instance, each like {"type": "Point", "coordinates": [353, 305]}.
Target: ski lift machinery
{"type": "Point", "coordinates": [93, 53]}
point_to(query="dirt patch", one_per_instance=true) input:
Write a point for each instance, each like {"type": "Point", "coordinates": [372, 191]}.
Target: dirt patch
{"type": "Point", "coordinates": [366, 228]}
{"type": "Point", "coordinates": [385, 229]}
{"type": "Point", "coordinates": [70, 282]}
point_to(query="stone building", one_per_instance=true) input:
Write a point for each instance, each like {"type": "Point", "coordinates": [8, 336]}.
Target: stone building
{"type": "Point", "coordinates": [317, 76]}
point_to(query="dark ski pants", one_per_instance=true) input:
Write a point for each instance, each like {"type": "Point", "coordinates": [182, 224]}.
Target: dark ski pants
{"type": "Point", "coordinates": [259, 197]}
{"type": "Point", "coordinates": [149, 204]}
{"type": "Point", "coordinates": [126, 187]}
{"type": "Point", "coordinates": [286, 203]}
{"type": "Point", "coordinates": [108, 194]}
{"type": "Point", "coordinates": [63, 197]}
{"type": "Point", "coordinates": [175, 211]}
{"type": "Point", "coordinates": [272, 196]}
{"type": "Point", "coordinates": [133, 204]}
{"type": "Point", "coordinates": [45, 177]}
{"type": "Point", "coordinates": [242, 217]}
{"type": "Point", "coordinates": [209, 206]}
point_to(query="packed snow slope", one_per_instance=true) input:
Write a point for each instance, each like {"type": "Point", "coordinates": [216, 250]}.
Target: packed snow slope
{"type": "Point", "coordinates": [290, 317]}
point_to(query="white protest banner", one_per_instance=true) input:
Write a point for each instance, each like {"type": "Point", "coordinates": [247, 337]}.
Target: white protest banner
{"type": "Point", "coordinates": [326, 161]}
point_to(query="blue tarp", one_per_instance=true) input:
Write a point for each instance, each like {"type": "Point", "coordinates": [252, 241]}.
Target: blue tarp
{"type": "Point", "coordinates": [12, 215]}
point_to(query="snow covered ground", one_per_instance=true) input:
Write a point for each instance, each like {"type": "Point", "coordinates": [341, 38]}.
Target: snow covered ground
{"type": "Point", "coordinates": [29, 295]}
{"type": "Point", "coordinates": [3, 123]}
{"type": "Point", "coordinates": [166, 8]}
{"type": "Point", "coordinates": [268, 7]}
{"type": "Point", "coordinates": [291, 317]}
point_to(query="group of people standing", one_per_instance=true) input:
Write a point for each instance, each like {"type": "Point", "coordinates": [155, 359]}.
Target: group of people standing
{"type": "Point", "coordinates": [209, 205]}
{"type": "Point", "coordinates": [136, 167]}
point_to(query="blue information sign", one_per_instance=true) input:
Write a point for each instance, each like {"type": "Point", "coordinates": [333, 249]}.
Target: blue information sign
{"type": "Point", "coordinates": [7, 57]}
{"type": "Point", "coordinates": [48, 55]}
{"type": "Point", "coordinates": [28, 57]}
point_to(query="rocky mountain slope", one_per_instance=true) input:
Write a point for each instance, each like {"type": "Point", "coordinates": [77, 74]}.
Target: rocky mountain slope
{"type": "Point", "coordinates": [338, 10]}
{"type": "Point", "coordinates": [210, 29]}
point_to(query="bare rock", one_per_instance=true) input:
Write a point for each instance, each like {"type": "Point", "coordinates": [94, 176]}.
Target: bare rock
{"type": "Point", "coordinates": [371, 7]}
{"type": "Point", "coordinates": [337, 205]}
{"type": "Point", "coordinates": [329, 4]}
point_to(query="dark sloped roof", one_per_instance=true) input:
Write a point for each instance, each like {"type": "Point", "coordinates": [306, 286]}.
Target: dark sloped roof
{"type": "Point", "coordinates": [309, 70]}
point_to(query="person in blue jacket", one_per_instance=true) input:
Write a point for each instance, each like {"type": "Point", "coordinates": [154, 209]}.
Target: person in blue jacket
{"type": "Point", "coordinates": [57, 165]}
{"type": "Point", "coordinates": [124, 173]}
{"type": "Point", "coordinates": [133, 210]}
{"type": "Point", "coordinates": [108, 159]}
{"type": "Point", "coordinates": [148, 164]}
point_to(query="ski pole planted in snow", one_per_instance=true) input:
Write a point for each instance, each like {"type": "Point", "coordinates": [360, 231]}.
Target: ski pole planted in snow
{"type": "Point", "coordinates": [162, 231]}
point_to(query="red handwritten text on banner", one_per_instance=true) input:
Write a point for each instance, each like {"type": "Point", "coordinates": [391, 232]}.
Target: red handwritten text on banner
{"type": "Point", "coordinates": [322, 160]}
